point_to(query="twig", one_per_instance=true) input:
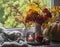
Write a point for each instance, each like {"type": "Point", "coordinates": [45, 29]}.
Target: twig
{"type": "Point", "coordinates": [15, 9]}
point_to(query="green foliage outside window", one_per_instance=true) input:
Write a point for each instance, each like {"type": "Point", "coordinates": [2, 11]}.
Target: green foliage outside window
{"type": "Point", "coordinates": [6, 15]}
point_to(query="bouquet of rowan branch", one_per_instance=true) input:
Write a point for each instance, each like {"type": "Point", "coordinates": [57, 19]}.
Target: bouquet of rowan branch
{"type": "Point", "coordinates": [32, 15]}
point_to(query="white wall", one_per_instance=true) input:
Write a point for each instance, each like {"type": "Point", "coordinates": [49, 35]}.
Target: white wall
{"type": "Point", "coordinates": [55, 3]}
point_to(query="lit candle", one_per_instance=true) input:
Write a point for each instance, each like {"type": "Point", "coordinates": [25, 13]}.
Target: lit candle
{"type": "Point", "coordinates": [30, 38]}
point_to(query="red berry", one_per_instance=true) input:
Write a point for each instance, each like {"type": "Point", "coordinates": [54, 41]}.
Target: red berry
{"type": "Point", "coordinates": [45, 10]}
{"type": "Point", "coordinates": [39, 39]}
{"type": "Point", "coordinates": [49, 14]}
{"type": "Point", "coordinates": [45, 17]}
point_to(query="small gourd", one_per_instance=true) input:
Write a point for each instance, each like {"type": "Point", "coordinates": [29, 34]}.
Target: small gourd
{"type": "Point", "coordinates": [53, 32]}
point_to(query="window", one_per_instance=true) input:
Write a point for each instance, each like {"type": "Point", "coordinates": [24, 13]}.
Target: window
{"type": "Point", "coordinates": [47, 3]}
{"type": "Point", "coordinates": [6, 15]}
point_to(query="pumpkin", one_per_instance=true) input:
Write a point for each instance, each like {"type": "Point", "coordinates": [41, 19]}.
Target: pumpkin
{"type": "Point", "coordinates": [53, 32]}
